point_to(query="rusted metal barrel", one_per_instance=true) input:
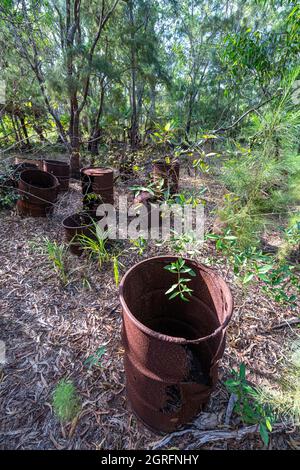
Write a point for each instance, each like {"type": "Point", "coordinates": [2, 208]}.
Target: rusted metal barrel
{"type": "Point", "coordinates": [169, 173]}
{"type": "Point", "coordinates": [172, 347]}
{"type": "Point", "coordinates": [98, 181]}
{"type": "Point", "coordinates": [37, 162]}
{"type": "Point", "coordinates": [150, 204]}
{"type": "Point", "coordinates": [75, 225]}
{"type": "Point", "coordinates": [59, 169]}
{"type": "Point", "coordinates": [38, 193]}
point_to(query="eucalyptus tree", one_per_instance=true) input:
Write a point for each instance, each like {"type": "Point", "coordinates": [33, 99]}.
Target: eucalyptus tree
{"type": "Point", "coordinates": [60, 38]}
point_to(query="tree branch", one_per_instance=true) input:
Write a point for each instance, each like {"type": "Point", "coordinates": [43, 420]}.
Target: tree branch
{"type": "Point", "coordinates": [251, 110]}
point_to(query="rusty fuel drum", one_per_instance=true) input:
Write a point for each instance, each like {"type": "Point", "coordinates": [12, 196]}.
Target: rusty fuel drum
{"type": "Point", "coordinates": [38, 193]}
{"type": "Point", "coordinates": [75, 225]}
{"type": "Point", "coordinates": [169, 172]}
{"type": "Point", "coordinates": [100, 181]}
{"type": "Point", "coordinates": [37, 162]}
{"type": "Point", "coordinates": [172, 347]}
{"type": "Point", "coordinates": [59, 169]}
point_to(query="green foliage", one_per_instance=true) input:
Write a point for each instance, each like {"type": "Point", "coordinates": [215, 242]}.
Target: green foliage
{"type": "Point", "coordinates": [248, 406]}
{"type": "Point", "coordinates": [291, 239]}
{"type": "Point", "coordinates": [185, 243]}
{"type": "Point", "coordinates": [66, 403]}
{"type": "Point", "coordinates": [96, 359]}
{"type": "Point", "coordinates": [264, 177]}
{"type": "Point", "coordinates": [163, 137]}
{"type": "Point", "coordinates": [275, 278]}
{"type": "Point", "coordinates": [200, 165]}
{"type": "Point", "coordinates": [193, 198]}
{"type": "Point", "coordinates": [284, 396]}
{"type": "Point", "coordinates": [96, 246]}
{"type": "Point", "coordinates": [180, 288]}
{"type": "Point", "coordinates": [57, 256]}
{"type": "Point", "coordinates": [139, 244]}
{"type": "Point", "coordinates": [8, 194]}
{"type": "Point", "coordinates": [154, 188]}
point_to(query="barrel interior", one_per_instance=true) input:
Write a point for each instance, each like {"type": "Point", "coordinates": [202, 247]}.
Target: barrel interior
{"type": "Point", "coordinates": [37, 178]}
{"type": "Point", "coordinates": [144, 294]}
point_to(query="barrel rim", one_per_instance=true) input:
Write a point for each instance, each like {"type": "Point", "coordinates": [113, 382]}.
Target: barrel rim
{"type": "Point", "coordinates": [76, 227]}
{"type": "Point", "coordinates": [54, 178]}
{"type": "Point", "coordinates": [57, 162]}
{"type": "Point", "coordinates": [175, 339]}
{"type": "Point", "coordinates": [107, 170]}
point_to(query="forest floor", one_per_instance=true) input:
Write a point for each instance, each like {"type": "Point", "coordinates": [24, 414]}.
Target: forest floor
{"type": "Point", "coordinates": [50, 331]}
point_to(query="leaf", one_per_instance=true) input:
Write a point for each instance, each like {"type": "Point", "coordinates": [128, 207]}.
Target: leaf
{"type": "Point", "coordinates": [183, 298]}
{"type": "Point", "coordinates": [212, 236]}
{"type": "Point", "coordinates": [188, 270]}
{"type": "Point", "coordinates": [209, 136]}
{"type": "Point", "coordinates": [171, 268]}
{"type": "Point", "coordinates": [116, 271]}
{"type": "Point", "coordinates": [243, 371]}
{"type": "Point", "coordinates": [171, 289]}
{"type": "Point", "coordinates": [264, 433]}
{"type": "Point", "coordinates": [269, 425]}
{"type": "Point", "coordinates": [264, 278]}
{"type": "Point", "coordinates": [174, 295]}
{"type": "Point", "coordinates": [265, 269]}
{"type": "Point", "coordinates": [247, 278]}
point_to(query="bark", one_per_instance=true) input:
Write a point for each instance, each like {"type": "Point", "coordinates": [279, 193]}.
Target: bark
{"type": "Point", "coordinates": [134, 125]}
{"type": "Point", "coordinates": [18, 138]}
{"type": "Point", "coordinates": [96, 132]}
{"type": "Point", "coordinates": [24, 129]}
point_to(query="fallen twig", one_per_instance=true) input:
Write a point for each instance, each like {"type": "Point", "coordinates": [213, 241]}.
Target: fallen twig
{"type": "Point", "coordinates": [292, 321]}
{"type": "Point", "coordinates": [232, 401]}
{"type": "Point", "coordinates": [205, 437]}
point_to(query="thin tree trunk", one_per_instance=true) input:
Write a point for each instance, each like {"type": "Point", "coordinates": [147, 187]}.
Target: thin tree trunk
{"type": "Point", "coordinates": [95, 133]}
{"type": "Point", "coordinates": [24, 129]}
{"type": "Point", "coordinates": [15, 130]}
{"type": "Point", "coordinates": [134, 128]}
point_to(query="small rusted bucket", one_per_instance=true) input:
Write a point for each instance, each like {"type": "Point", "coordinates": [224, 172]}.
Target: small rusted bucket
{"type": "Point", "coordinates": [172, 347]}
{"type": "Point", "coordinates": [75, 225]}
{"type": "Point", "coordinates": [37, 162]}
{"type": "Point", "coordinates": [169, 172]}
{"type": "Point", "coordinates": [59, 169]}
{"type": "Point", "coordinates": [38, 193]}
{"type": "Point", "coordinates": [99, 181]}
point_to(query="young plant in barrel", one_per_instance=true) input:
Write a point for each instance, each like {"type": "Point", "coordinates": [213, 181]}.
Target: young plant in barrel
{"type": "Point", "coordinates": [180, 288]}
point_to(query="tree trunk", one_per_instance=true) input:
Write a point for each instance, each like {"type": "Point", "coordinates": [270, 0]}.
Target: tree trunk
{"type": "Point", "coordinates": [75, 146]}
{"type": "Point", "coordinates": [190, 113]}
{"type": "Point", "coordinates": [134, 127]}
{"type": "Point", "coordinates": [39, 130]}
{"type": "Point", "coordinates": [95, 133]}
{"type": "Point", "coordinates": [24, 129]}
{"type": "Point", "coordinates": [18, 138]}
